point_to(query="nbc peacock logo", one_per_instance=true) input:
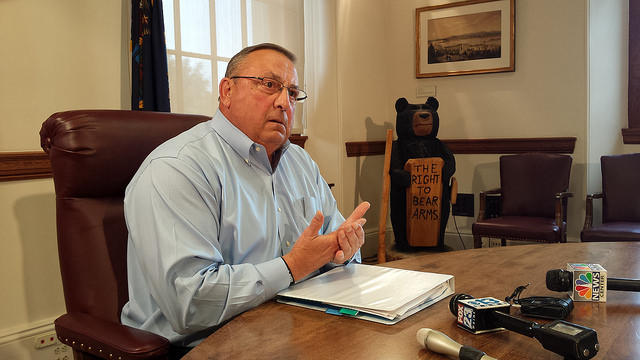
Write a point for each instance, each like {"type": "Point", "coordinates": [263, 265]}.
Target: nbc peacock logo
{"type": "Point", "coordinates": [589, 282]}
{"type": "Point", "coordinates": [583, 285]}
{"type": "Point", "coordinates": [581, 267]}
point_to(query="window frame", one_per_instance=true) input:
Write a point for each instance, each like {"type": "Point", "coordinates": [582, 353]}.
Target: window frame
{"type": "Point", "coordinates": [214, 58]}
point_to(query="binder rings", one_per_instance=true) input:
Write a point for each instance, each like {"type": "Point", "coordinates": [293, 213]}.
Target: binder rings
{"type": "Point", "coordinates": [374, 293]}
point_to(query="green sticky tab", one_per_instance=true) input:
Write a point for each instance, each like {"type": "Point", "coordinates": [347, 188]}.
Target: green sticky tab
{"type": "Point", "coordinates": [349, 311]}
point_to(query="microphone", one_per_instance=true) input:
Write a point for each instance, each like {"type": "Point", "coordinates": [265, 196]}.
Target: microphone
{"type": "Point", "coordinates": [490, 314]}
{"type": "Point", "coordinates": [588, 282]}
{"type": "Point", "coordinates": [442, 344]}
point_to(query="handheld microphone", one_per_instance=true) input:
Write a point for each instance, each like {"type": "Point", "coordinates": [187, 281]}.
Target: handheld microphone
{"type": "Point", "coordinates": [442, 344]}
{"type": "Point", "coordinates": [489, 314]}
{"type": "Point", "coordinates": [587, 282]}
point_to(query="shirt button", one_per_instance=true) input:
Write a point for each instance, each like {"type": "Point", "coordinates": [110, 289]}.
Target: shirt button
{"type": "Point", "coordinates": [288, 243]}
{"type": "Point", "coordinates": [279, 210]}
{"type": "Point", "coordinates": [246, 160]}
{"type": "Point", "coordinates": [257, 148]}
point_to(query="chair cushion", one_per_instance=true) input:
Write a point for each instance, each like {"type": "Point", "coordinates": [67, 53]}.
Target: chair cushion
{"type": "Point", "coordinates": [621, 188]}
{"type": "Point", "coordinates": [514, 227]}
{"type": "Point", "coordinates": [530, 181]}
{"type": "Point", "coordinates": [613, 231]}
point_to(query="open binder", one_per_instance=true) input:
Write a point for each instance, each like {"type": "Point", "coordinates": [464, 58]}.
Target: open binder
{"type": "Point", "coordinates": [374, 293]}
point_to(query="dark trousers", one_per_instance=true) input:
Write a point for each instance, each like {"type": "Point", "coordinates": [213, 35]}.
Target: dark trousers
{"type": "Point", "coordinates": [177, 352]}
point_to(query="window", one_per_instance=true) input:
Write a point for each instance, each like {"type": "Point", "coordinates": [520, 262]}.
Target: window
{"type": "Point", "coordinates": [203, 35]}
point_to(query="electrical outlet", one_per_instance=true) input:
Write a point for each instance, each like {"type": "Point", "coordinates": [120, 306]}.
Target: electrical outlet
{"type": "Point", "coordinates": [46, 339]}
{"type": "Point", "coordinates": [463, 205]}
{"type": "Point", "coordinates": [495, 242]}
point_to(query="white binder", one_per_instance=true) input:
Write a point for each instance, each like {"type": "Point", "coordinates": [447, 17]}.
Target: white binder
{"type": "Point", "coordinates": [375, 293]}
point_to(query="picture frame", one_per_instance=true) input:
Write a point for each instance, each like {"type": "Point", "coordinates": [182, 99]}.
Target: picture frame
{"type": "Point", "coordinates": [466, 37]}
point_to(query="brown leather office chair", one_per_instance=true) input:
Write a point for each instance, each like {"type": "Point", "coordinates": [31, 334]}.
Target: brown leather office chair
{"type": "Point", "coordinates": [531, 203]}
{"type": "Point", "coordinates": [620, 201]}
{"type": "Point", "coordinates": [93, 156]}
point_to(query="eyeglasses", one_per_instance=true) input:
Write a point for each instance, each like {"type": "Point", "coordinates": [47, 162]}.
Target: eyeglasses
{"type": "Point", "coordinates": [273, 86]}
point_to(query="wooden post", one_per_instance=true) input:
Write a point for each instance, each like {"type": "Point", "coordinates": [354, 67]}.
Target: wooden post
{"type": "Point", "coordinates": [384, 206]}
{"type": "Point", "coordinates": [424, 201]}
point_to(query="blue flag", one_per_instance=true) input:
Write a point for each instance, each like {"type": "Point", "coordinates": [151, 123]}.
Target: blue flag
{"type": "Point", "coordinates": [149, 78]}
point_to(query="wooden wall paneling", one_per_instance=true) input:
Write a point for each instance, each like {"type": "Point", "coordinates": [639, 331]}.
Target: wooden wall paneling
{"type": "Point", "coordinates": [35, 164]}
{"type": "Point", "coordinates": [24, 165]}
{"type": "Point", "coordinates": [562, 145]}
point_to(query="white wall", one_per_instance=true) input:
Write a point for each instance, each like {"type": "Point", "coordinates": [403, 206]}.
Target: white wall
{"type": "Point", "coordinates": [363, 78]}
{"type": "Point", "coordinates": [56, 55]}
{"type": "Point", "coordinates": [321, 109]}
{"type": "Point", "coordinates": [545, 96]}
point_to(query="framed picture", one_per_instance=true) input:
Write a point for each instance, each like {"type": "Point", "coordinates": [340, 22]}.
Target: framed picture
{"type": "Point", "coordinates": [467, 37]}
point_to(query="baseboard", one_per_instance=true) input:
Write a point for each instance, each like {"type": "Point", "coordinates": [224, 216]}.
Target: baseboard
{"type": "Point", "coordinates": [455, 241]}
{"type": "Point", "coordinates": [26, 330]}
{"type": "Point", "coordinates": [451, 241]}
{"type": "Point", "coordinates": [19, 343]}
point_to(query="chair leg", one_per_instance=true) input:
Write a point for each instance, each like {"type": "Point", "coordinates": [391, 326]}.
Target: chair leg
{"type": "Point", "coordinates": [477, 241]}
{"type": "Point", "coordinates": [503, 242]}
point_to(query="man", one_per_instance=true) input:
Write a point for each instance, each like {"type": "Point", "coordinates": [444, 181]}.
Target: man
{"type": "Point", "coordinates": [228, 213]}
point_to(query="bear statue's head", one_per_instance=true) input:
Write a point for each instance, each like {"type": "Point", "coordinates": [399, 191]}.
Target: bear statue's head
{"type": "Point", "coordinates": [417, 120]}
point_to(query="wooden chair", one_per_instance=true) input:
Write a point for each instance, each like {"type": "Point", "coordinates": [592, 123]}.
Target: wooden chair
{"type": "Point", "coordinates": [620, 201]}
{"type": "Point", "coordinates": [531, 202]}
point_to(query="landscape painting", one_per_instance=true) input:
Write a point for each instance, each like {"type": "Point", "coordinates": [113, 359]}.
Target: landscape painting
{"type": "Point", "coordinates": [468, 37]}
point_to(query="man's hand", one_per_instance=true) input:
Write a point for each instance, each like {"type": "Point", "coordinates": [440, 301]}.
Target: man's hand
{"type": "Point", "coordinates": [350, 234]}
{"type": "Point", "coordinates": [311, 251]}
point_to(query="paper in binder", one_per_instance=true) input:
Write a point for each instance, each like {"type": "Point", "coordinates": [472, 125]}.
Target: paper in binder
{"type": "Point", "coordinates": [375, 293]}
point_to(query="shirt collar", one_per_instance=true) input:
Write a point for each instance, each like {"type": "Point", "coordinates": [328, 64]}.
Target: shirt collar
{"type": "Point", "coordinates": [238, 140]}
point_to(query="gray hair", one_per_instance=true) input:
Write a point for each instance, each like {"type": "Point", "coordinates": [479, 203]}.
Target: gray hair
{"type": "Point", "coordinates": [239, 58]}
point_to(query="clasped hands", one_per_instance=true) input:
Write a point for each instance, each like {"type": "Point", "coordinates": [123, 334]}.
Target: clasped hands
{"type": "Point", "coordinates": [311, 251]}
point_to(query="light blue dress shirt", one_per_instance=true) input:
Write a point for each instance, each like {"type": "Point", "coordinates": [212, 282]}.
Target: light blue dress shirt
{"type": "Point", "coordinates": [208, 220]}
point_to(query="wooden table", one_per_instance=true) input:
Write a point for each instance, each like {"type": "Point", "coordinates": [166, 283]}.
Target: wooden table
{"type": "Point", "coordinates": [278, 331]}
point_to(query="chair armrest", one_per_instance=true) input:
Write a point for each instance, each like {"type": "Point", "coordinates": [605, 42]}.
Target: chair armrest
{"type": "Point", "coordinates": [588, 216]}
{"type": "Point", "coordinates": [109, 340]}
{"type": "Point", "coordinates": [563, 195]}
{"type": "Point", "coordinates": [595, 196]}
{"type": "Point", "coordinates": [560, 211]}
{"type": "Point", "coordinates": [483, 201]}
{"type": "Point", "coordinates": [492, 192]}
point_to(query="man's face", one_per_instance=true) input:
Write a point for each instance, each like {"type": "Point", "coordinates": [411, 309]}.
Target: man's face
{"type": "Point", "coordinates": [264, 118]}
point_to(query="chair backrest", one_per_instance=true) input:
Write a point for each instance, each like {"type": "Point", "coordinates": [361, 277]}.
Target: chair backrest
{"type": "Point", "coordinates": [93, 155]}
{"type": "Point", "coordinates": [621, 187]}
{"type": "Point", "coordinates": [529, 182]}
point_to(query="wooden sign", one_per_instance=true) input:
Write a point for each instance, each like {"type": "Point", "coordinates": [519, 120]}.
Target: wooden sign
{"type": "Point", "coordinates": [424, 201]}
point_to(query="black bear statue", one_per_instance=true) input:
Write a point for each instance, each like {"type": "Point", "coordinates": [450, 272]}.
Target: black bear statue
{"type": "Point", "coordinates": [417, 129]}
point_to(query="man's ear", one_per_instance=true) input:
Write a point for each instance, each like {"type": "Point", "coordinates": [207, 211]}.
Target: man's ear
{"type": "Point", "coordinates": [224, 91]}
